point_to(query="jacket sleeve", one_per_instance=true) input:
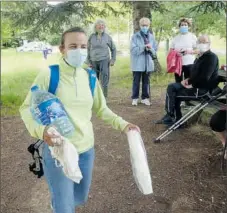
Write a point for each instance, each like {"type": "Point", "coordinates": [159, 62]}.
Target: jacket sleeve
{"type": "Point", "coordinates": [36, 130]}
{"type": "Point", "coordinates": [136, 49]}
{"type": "Point", "coordinates": [102, 111]}
{"type": "Point", "coordinates": [172, 44]}
{"type": "Point", "coordinates": [203, 71]}
{"type": "Point", "coordinates": [113, 49]}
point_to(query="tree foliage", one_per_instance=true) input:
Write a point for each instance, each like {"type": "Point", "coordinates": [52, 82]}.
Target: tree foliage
{"type": "Point", "coordinates": [206, 17]}
{"type": "Point", "coordinates": [6, 29]}
{"type": "Point", "coordinates": [208, 7]}
{"type": "Point", "coordinates": [209, 17]}
{"type": "Point", "coordinates": [44, 21]}
{"type": "Point", "coordinates": [35, 18]}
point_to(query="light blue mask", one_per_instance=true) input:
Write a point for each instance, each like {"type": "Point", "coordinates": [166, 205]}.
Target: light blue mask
{"type": "Point", "coordinates": [144, 29]}
{"type": "Point", "coordinates": [184, 29]}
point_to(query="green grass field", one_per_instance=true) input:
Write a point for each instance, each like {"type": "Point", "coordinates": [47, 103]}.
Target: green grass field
{"type": "Point", "coordinates": [20, 69]}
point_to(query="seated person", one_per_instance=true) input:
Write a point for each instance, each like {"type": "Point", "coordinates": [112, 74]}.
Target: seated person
{"type": "Point", "coordinates": [203, 78]}
{"type": "Point", "coordinates": [218, 124]}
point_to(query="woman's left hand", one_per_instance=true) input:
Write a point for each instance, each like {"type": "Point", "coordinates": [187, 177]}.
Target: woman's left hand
{"type": "Point", "coordinates": [131, 127]}
{"type": "Point", "coordinates": [111, 63]}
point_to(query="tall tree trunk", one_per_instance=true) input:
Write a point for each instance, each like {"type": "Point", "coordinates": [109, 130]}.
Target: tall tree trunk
{"type": "Point", "coordinates": [140, 9]}
{"type": "Point", "coordinates": [143, 9]}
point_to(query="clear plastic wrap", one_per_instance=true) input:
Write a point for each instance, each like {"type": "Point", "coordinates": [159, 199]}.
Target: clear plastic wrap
{"type": "Point", "coordinates": [139, 162]}
{"type": "Point", "coordinates": [66, 154]}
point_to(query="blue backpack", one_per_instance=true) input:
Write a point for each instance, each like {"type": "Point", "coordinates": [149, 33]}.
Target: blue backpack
{"type": "Point", "coordinates": [55, 76]}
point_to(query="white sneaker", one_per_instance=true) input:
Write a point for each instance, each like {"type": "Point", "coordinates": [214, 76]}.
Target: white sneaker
{"type": "Point", "coordinates": [146, 102]}
{"type": "Point", "coordinates": [134, 102]}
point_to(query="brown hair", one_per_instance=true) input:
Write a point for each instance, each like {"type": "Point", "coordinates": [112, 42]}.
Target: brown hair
{"type": "Point", "coordinates": [71, 30]}
{"type": "Point", "coordinates": [184, 20]}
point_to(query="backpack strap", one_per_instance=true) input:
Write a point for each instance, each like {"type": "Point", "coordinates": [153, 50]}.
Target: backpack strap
{"type": "Point", "coordinates": [54, 78]}
{"type": "Point", "coordinates": [92, 80]}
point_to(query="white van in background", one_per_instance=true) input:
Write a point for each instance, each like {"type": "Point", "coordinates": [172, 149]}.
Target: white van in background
{"type": "Point", "coordinates": [35, 46]}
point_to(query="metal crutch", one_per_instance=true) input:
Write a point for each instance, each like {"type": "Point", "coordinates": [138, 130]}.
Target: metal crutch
{"type": "Point", "coordinates": [179, 122]}
{"type": "Point", "coordinates": [196, 109]}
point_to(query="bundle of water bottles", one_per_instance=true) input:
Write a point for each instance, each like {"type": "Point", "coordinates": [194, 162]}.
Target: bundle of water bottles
{"type": "Point", "coordinates": [48, 110]}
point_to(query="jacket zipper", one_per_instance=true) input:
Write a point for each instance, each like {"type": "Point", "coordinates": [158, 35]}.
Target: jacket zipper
{"type": "Point", "coordinates": [74, 78]}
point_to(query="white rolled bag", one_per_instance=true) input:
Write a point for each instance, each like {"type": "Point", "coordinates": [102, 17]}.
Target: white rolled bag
{"type": "Point", "coordinates": [139, 162]}
{"type": "Point", "coordinates": [66, 154]}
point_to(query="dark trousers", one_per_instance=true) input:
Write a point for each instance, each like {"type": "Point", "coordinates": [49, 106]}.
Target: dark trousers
{"type": "Point", "coordinates": [103, 73]}
{"type": "Point", "coordinates": [172, 104]}
{"type": "Point", "coordinates": [145, 85]}
{"type": "Point", "coordinates": [186, 70]}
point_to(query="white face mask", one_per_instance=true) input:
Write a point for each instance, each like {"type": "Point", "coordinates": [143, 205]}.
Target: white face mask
{"type": "Point", "coordinates": [76, 57]}
{"type": "Point", "coordinates": [203, 47]}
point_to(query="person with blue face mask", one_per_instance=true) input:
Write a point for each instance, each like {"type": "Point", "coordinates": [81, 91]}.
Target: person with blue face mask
{"type": "Point", "coordinates": [145, 29]}
{"type": "Point", "coordinates": [79, 103]}
{"type": "Point", "coordinates": [185, 43]}
{"type": "Point", "coordinates": [142, 51]}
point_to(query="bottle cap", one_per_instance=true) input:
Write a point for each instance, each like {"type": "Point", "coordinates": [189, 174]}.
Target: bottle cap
{"type": "Point", "coordinates": [34, 88]}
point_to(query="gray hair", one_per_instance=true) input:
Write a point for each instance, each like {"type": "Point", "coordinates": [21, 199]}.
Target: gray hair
{"type": "Point", "coordinates": [144, 19]}
{"type": "Point", "coordinates": [99, 21]}
{"type": "Point", "coordinates": [205, 36]}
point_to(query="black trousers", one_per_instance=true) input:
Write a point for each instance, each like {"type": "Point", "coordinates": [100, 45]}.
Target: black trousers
{"type": "Point", "coordinates": [218, 121]}
{"type": "Point", "coordinates": [186, 70]}
{"type": "Point", "coordinates": [172, 103]}
{"type": "Point", "coordinates": [145, 85]}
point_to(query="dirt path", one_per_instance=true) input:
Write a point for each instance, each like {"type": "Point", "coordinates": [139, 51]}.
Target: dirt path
{"type": "Point", "coordinates": [185, 172]}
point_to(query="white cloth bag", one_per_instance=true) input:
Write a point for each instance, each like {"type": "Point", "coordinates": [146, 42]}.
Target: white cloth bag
{"type": "Point", "coordinates": [66, 154]}
{"type": "Point", "coordinates": [139, 162]}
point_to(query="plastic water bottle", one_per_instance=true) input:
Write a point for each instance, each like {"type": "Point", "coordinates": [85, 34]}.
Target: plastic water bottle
{"type": "Point", "coordinates": [48, 110]}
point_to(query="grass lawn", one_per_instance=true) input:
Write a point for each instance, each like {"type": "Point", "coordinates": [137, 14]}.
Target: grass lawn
{"type": "Point", "coordinates": [18, 71]}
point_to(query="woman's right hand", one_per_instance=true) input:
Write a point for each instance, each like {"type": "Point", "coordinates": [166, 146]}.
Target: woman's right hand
{"type": "Point", "coordinates": [179, 53]}
{"type": "Point", "coordinates": [50, 137]}
{"type": "Point", "coordinates": [148, 46]}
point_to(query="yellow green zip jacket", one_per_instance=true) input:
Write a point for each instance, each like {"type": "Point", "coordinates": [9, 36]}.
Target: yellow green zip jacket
{"type": "Point", "coordinates": [75, 94]}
